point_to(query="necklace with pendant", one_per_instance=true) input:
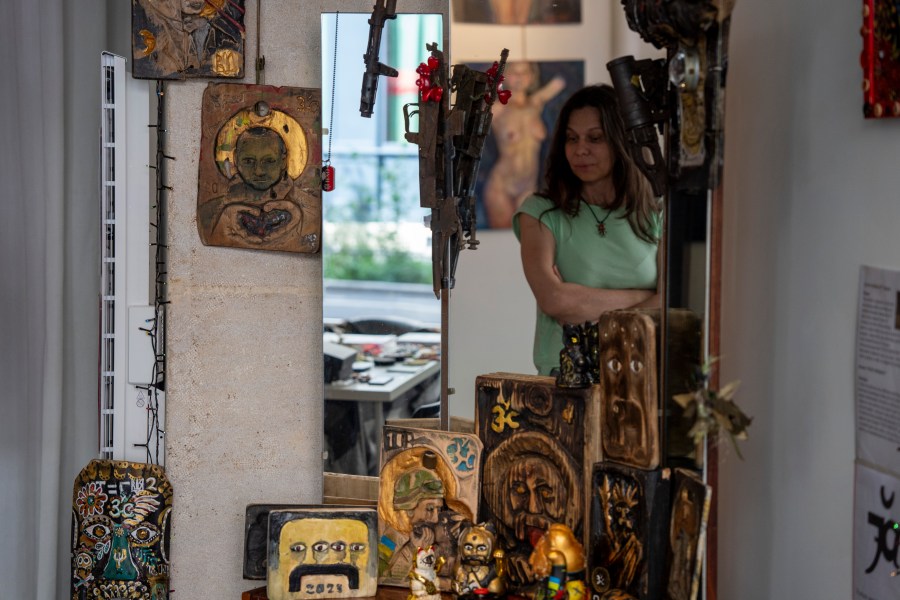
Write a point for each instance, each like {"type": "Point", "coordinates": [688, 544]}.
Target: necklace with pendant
{"type": "Point", "coordinates": [601, 224]}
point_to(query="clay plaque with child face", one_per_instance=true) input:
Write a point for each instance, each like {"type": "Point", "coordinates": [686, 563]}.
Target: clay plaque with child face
{"type": "Point", "coordinates": [536, 452]}
{"type": "Point", "coordinates": [260, 157]}
{"type": "Point", "coordinates": [428, 495]}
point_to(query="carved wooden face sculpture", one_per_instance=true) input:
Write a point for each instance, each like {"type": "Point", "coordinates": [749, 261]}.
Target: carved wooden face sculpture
{"type": "Point", "coordinates": [628, 379]}
{"type": "Point", "coordinates": [120, 531]}
{"type": "Point", "coordinates": [321, 553]}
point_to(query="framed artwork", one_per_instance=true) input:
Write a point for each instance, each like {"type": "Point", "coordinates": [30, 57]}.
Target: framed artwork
{"type": "Point", "coordinates": [881, 59]}
{"type": "Point", "coordinates": [512, 163]}
{"type": "Point", "coordinates": [260, 184]}
{"type": "Point", "coordinates": [321, 553]}
{"type": "Point", "coordinates": [428, 494]}
{"type": "Point", "coordinates": [121, 515]}
{"type": "Point", "coordinates": [517, 12]}
{"type": "Point", "coordinates": [538, 451]}
{"type": "Point", "coordinates": [178, 39]}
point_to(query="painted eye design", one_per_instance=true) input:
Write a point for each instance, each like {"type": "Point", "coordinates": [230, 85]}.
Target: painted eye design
{"type": "Point", "coordinates": [144, 535]}
{"type": "Point", "coordinates": [614, 365]}
{"type": "Point", "coordinates": [298, 547]}
{"type": "Point", "coordinates": [338, 546]}
{"type": "Point", "coordinates": [482, 548]}
{"type": "Point", "coordinates": [636, 365]}
{"type": "Point", "coordinates": [320, 546]}
{"type": "Point", "coordinates": [357, 547]}
{"type": "Point", "coordinates": [83, 560]}
{"type": "Point", "coordinates": [97, 532]}
{"type": "Point", "coordinates": [468, 547]}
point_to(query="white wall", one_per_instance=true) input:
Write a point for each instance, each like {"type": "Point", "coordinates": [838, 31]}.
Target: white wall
{"type": "Point", "coordinates": [811, 193]}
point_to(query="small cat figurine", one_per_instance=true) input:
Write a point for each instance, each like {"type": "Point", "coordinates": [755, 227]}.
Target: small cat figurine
{"type": "Point", "coordinates": [423, 576]}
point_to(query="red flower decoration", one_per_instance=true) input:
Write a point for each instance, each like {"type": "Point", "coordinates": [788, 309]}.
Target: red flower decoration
{"type": "Point", "coordinates": [429, 91]}
{"type": "Point", "coordinates": [494, 82]}
{"type": "Point", "coordinates": [91, 499]}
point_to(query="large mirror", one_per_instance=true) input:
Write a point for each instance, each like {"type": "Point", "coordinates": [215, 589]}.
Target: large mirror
{"type": "Point", "coordinates": [381, 318]}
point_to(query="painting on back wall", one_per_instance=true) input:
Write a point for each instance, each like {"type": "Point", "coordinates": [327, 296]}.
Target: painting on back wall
{"type": "Point", "coordinates": [513, 159]}
{"type": "Point", "coordinates": [517, 12]}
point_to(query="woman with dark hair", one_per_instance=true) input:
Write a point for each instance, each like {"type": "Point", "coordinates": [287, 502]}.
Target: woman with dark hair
{"type": "Point", "coordinates": [589, 238]}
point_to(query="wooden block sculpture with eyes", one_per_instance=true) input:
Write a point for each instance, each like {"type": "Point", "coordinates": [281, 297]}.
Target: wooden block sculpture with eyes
{"type": "Point", "coordinates": [428, 495]}
{"type": "Point", "coordinates": [259, 184]}
{"type": "Point", "coordinates": [322, 553]}
{"type": "Point", "coordinates": [629, 520]}
{"type": "Point", "coordinates": [120, 531]}
{"type": "Point", "coordinates": [629, 384]}
{"type": "Point", "coordinates": [687, 534]}
{"type": "Point", "coordinates": [537, 449]}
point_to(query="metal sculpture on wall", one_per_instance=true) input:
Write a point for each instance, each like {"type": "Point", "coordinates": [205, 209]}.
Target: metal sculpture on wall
{"type": "Point", "coordinates": [687, 530]}
{"type": "Point", "coordinates": [120, 531]}
{"type": "Point", "coordinates": [322, 553]}
{"type": "Point", "coordinates": [176, 39]}
{"type": "Point", "coordinates": [428, 494]}
{"type": "Point", "coordinates": [260, 184]}
{"type": "Point", "coordinates": [629, 518]}
{"type": "Point", "coordinates": [538, 441]}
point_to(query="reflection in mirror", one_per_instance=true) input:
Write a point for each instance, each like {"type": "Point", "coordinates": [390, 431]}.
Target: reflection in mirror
{"type": "Point", "coordinates": [381, 317]}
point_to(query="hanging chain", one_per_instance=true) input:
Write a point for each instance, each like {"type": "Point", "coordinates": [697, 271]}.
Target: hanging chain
{"type": "Point", "coordinates": [333, 86]}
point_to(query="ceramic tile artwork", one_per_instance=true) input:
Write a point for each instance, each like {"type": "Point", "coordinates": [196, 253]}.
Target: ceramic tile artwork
{"type": "Point", "coordinates": [535, 442]}
{"type": "Point", "coordinates": [260, 184]}
{"type": "Point", "coordinates": [121, 515]}
{"type": "Point", "coordinates": [178, 39]}
{"type": "Point", "coordinates": [629, 523]}
{"type": "Point", "coordinates": [322, 553]}
{"type": "Point", "coordinates": [429, 486]}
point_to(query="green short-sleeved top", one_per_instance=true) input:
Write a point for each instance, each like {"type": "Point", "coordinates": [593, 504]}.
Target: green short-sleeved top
{"type": "Point", "coordinates": [618, 260]}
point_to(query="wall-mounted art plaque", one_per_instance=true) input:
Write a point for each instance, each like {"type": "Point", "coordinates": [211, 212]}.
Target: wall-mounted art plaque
{"type": "Point", "coordinates": [121, 513]}
{"type": "Point", "coordinates": [322, 553]}
{"type": "Point", "coordinates": [629, 522]}
{"type": "Point", "coordinates": [260, 158]}
{"type": "Point", "coordinates": [428, 494]}
{"type": "Point", "coordinates": [176, 39]}
{"type": "Point", "coordinates": [687, 534]}
{"type": "Point", "coordinates": [538, 443]}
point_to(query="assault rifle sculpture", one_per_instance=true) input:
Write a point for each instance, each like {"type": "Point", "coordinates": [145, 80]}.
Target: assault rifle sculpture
{"type": "Point", "coordinates": [450, 141]}
{"type": "Point", "coordinates": [382, 11]}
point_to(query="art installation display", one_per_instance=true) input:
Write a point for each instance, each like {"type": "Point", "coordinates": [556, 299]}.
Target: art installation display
{"type": "Point", "coordinates": [629, 524]}
{"type": "Point", "coordinates": [539, 445]}
{"type": "Point", "coordinates": [428, 494]}
{"type": "Point", "coordinates": [322, 553]}
{"type": "Point", "coordinates": [687, 534]}
{"type": "Point", "coordinates": [178, 39]}
{"type": "Point", "coordinates": [260, 156]}
{"type": "Point", "coordinates": [121, 515]}
{"type": "Point", "coordinates": [481, 565]}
